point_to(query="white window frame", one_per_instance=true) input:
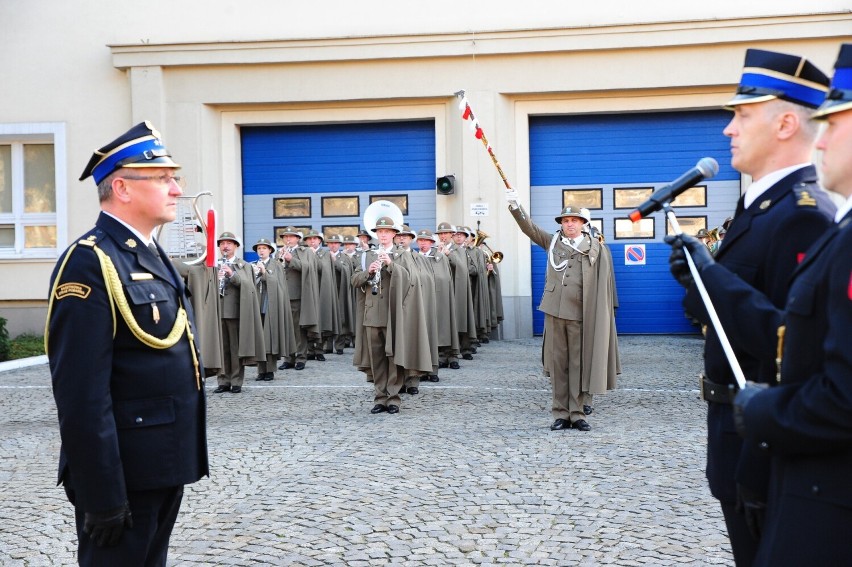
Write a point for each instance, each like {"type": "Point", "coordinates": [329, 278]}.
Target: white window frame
{"type": "Point", "coordinates": [18, 134]}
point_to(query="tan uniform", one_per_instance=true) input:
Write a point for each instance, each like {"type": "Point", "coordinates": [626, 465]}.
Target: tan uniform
{"type": "Point", "coordinates": [580, 348]}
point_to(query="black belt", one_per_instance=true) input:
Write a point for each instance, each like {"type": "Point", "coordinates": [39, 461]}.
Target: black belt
{"type": "Point", "coordinates": [717, 393]}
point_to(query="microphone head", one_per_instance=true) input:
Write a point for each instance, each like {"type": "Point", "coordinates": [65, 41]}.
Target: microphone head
{"type": "Point", "coordinates": [708, 167]}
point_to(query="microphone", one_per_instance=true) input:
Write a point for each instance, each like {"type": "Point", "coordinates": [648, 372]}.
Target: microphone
{"type": "Point", "coordinates": [706, 168]}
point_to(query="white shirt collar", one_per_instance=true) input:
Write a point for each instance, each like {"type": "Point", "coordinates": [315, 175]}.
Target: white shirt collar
{"type": "Point", "coordinates": [843, 209]}
{"type": "Point", "coordinates": [760, 186]}
{"type": "Point", "coordinates": [145, 240]}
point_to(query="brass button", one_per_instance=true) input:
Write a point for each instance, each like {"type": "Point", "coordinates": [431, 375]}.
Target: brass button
{"type": "Point", "coordinates": [138, 420]}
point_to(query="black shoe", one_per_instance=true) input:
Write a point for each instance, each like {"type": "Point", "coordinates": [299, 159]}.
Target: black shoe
{"type": "Point", "coordinates": [413, 390]}
{"type": "Point", "coordinates": [472, 351]}
{"type": "Point", "coordinates": [581, 425]}
{"type": "Point", "coordinates": [340, 351]}
{"type": "Point", "coordinates": [299, 366]}
{"type": "Point", "coordinates": [221, 389]}
{"type": "Point", "coordinates": [467, 356]}
{"type": "Point", "coordinates": [261, 376]}
{"type": "Point", "coordinates": [378, 408]}
{"type": "Point", "coordinates": [560, 424]}
{"type": "Point", "coordinates": [433, 378]}
{"type": "Point", "coordinates": [310, 357]}
{"type": "Point", "coordinates": [269, 377]}
{"type": "Point", "coordinates": [454, 365]}
{"type": "Point", "coordinates": [393, 409]}
{"type": "Point", "coordinates": [588, 410]}
{"type": "Point", "coordinates": [485, 340]}
{"type": "Point", "coordinates": [321, 357]}
{"type": "Point", "coordinates": [443, 364]}
{"type": "Point", "coordinates": [285, 366]}
{"type": "Point", "coordinates": [236, 389]}
{"type": "Point", "coordinates": [327, 351]}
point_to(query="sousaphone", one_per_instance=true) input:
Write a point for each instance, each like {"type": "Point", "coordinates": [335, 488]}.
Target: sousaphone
{"type": "Point", "coordinates": [380, 209]}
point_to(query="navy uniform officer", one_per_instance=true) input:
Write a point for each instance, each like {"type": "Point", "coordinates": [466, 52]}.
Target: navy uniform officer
{"type": "Point", "coordinates": [124, 365]}
{"type": "Point", "coordinates": [780, 215]}
{"type": "Point", "coordinates": [805, 422]}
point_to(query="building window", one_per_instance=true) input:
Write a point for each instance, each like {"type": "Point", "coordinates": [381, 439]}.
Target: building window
{"type": "Point", "coordinates": [295, 207]}
{"type": "Point", "coordinates": [401, 201]}
{"type": "Point", "coordinates": [626, 228]}
{"type": "Point", "coordinates": [688, 225]}
{"type": "Point", "coordinates": [341, 207]}
{"type": "Point", "coordinates": [692, 197]}
{"type": "Point", "coordinates": [630, 197]}
{"type": "Point", "coordinates": [582, 198]}
{"type": "Point", "coordinates": [32, 190]}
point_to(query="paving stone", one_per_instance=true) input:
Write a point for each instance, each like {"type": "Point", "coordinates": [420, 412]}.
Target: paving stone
{"type": "Point", "coordinates": [468, 473]}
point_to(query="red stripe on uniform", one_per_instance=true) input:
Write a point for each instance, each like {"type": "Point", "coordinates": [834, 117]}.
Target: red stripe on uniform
{"type": "Point", "coordinates": [799, 257]}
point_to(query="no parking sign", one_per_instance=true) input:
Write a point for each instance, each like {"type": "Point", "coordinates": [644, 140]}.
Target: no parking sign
{"type": "Point", "coordinates": [634, 254]}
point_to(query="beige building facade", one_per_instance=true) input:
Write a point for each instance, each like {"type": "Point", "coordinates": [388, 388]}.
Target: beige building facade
{"type": "Point", "coordinates": [76, 74]}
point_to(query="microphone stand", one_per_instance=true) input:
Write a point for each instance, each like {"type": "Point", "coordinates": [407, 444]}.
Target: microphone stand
{"type": "Point", "coordinates": [708, 303]}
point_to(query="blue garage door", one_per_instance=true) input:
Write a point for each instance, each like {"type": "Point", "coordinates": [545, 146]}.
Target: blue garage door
{"type": "Point", "coordinates": [324, 176]}
{"type": "Point", "coordinates": [610, 152]}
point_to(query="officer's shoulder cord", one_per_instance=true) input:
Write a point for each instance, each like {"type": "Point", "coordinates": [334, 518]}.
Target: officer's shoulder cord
{"type": "Point", "coordinates": [115, 293]}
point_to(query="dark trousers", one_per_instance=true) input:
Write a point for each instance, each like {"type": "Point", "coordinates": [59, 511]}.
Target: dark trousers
{"type": "Point", "coordinates": [146, 544]}
{"type": "Point", "coordinates": [743, 544]}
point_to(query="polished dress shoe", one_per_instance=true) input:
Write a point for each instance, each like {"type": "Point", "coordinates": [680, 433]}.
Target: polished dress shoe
{"type": "Point", "coordinates": [454, 365]}
{"type": "Point", "coordinates": [467, 356]}
{"type": "Point", "coordinates": [299, 366]}
{"type": "Point", "coordinates": [443, 364]}
{"type": "Point", "coordinates": [433, 378]}
{"type": "Point", "coordinates": [485, 340]}
{"type": "Point", "coordinates": [393, 409]}
{"type": "Point", "coordinates": [222, 388]}
{"type": "Point", "coordinates": [236, 389]}
{"type": "Point", "coordinates": [560, 424]}
{"type": "Point", "coordinates": [260, 377]}
{"type": "Point", "coordinates": [321, 357]}
{"type": "Point", "coordinates": [285, 366]}
{"type": "Point", "coordinates": [378, 408]}
{"type": "Point", "coordinates": [588, 410]}
{"type": "Point", "coordinates": [413, 390]}
{"type": "Point", "coordinates": [269, 376]}
{"type": "Point", "coordinates": [340, 351]}
{"type": "Point", "coordinates": [473, 350]}
{"type": "Point", "coordinates": [582, 425]}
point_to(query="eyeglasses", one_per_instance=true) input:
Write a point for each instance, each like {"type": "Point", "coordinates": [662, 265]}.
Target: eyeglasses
{"type": "Point", "coordinates": [162, 179]}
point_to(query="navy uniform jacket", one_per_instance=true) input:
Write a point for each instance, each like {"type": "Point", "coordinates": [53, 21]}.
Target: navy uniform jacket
{"type": "Point", "coordinates": [762, 247]}
{"type": "Point", "coordinates": [805, 422]}
{"type": "Point", "coordinates": [131, 417]}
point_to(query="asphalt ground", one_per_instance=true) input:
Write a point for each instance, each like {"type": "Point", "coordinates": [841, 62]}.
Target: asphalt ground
{"type": "Point", "coordinates": [468, 473]}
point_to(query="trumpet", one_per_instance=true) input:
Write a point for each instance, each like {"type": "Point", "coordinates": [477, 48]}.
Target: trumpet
{"type": "Point", "coordinates": [492, 256]}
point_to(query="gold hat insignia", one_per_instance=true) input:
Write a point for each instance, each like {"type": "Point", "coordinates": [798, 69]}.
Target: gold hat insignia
{"type": "Point", "coordinates": [765, 204]}
{"type": "Point", "coordinates": [131, 243]}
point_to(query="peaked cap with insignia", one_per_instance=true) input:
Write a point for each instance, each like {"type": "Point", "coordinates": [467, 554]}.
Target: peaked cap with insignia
{"type": "Point", "coordinates": [140, 146]}
{"type": "Point", "coordinates": [768, 75]}
{"type": "Point", "coordinates": [839, 98]}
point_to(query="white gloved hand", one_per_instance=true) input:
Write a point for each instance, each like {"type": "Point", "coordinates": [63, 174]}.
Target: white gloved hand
{"type": "Point", "coordinates": [512, 197]}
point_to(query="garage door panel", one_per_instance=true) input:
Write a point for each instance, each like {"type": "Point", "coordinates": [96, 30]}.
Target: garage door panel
{"type": "Point", "coordinates": [629, 150]}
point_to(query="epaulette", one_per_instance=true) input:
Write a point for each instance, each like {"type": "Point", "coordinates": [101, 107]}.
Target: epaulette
{"type": "Point", "coordinates": [88, 241]}
{"type": "Point", "coordinates": [804, 193]}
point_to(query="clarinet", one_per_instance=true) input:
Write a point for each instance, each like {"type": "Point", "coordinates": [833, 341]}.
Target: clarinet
{"type": "Point", "coordinates": [222, 279]}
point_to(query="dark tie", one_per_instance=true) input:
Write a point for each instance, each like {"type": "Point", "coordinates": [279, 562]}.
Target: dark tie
{"type": "Point", "coordinates": [153, 248]}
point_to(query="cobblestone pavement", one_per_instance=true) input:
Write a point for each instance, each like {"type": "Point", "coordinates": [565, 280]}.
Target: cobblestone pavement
{"type": "Point", "coordinates": [468, 473]}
